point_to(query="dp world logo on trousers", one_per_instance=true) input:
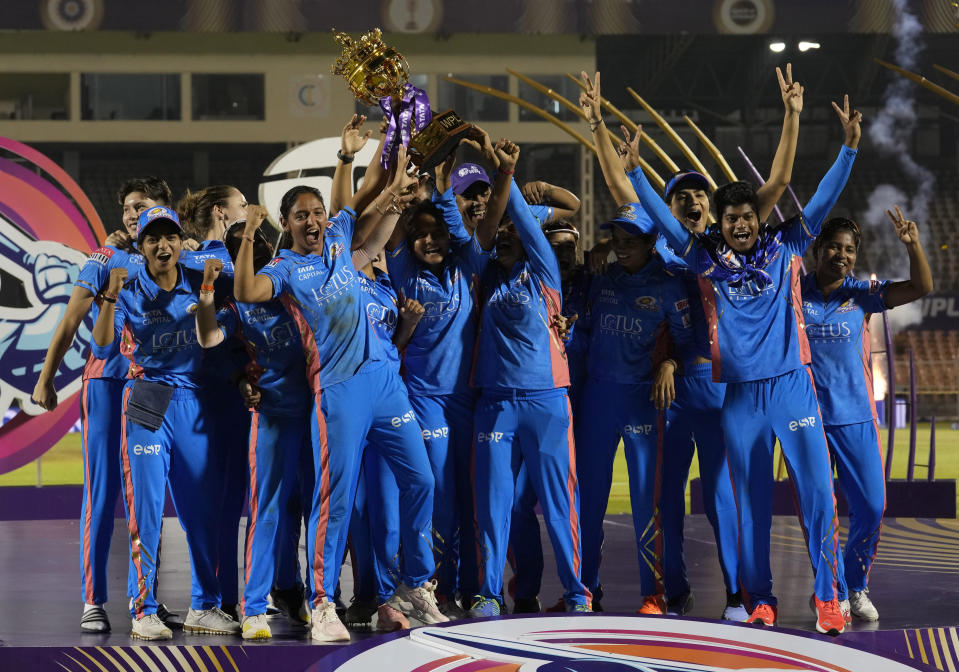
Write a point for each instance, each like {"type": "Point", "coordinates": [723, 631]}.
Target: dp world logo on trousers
{"type": "Point", "coordinates": [599, 643]}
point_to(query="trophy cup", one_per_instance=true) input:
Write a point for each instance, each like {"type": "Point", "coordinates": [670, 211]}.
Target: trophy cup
{"type": "Point", "coordinates": [378, 74]}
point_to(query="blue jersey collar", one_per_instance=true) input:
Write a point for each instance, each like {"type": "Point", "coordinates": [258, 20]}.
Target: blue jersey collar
{"type": "Point", "coordinates": [152, 289]}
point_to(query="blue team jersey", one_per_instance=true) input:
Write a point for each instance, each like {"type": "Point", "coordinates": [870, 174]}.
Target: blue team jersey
{"type": "Point", "coordinates": [382, 311]}
{"type": "Point", "coordinates": [94, 276]}
{"type": "Point", "coordinates": [440, 353]}
{"type": "Point", "coordinates": [755, 329]}
{"type": "Point", "coordinates": [838, 333]}
{"type": "Point", "coordinates": [276, 363]}
{"type": "Point", "coordinates": [161, 326]}
{"type": "Point", "coordinates": [322, 294]}
{"type": "Point", "coordinates": [627, 318]}
{"type": "Point", "coordinates": [676, 265]}
{"type": "Point", "coordinates": [517, 346]}
{"type": "Point", "coordinates": [209, 249]}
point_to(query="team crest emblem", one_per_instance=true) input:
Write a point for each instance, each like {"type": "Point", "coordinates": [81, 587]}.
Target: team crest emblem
{"type": "Point", "coordinates": [645, 303]}
{"type": "Point", "coordinates": [191, 309]}
{"type": "Point", "coordinates": [627, 212]}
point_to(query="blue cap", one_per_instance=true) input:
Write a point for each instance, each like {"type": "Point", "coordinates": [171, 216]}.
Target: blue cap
{"type": "Point", "coordinates": [632, 219]}
{"type": "Point", "coordinates": [466, 175]}
{"type": "Point", "coordinates": [158, 213]}
{"type": "Point", "coordinates": [680, 178]}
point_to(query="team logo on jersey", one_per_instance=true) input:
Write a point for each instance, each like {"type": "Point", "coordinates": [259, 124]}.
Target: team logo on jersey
{"type": "Point", "coordinates": [192, 308]}
{"type": "Point", "coordinates": [336, 249]}
{"type": "Point", "coordinates": [682, 304]}
{"type": "Point", "coordinates": [645, 303]}
{"type": "Point", "coordinates": [274, 262]}
{"type": "Point", "coordinates": [627, 212]}
{"type": "Point", "coordinates": [847, 306]}
{"type": "Point", "coordinates": [101, 255]}
{"type": "Point", "coordinates": [601, 642]}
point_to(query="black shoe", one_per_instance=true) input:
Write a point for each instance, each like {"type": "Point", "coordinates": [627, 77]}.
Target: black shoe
{"type": "Point", "coordinates": [359, 615]}
{"type": "Point", "coordinates": [527, 605]}
{"type": "Point", "coordinates": [680, 605]}
{"type": "Point", "coordinates": [230, 610]}
{"type": "Point", "coordinates": [597, 606]}
{"type": "Point", "coordinates": [95, 621]}
{"type": "Point", "coordinates": [170, 619]}
{"type": "Point", "coordinates": [291, 602]}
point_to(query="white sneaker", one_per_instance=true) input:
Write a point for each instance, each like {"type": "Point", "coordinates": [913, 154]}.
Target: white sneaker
{"type": "Point", "coordinates": [846, 611]}
{"type": "Point", "coordinates": [256, 627]}
{"type": "Point", "coordinates": [150, 627]}
{"type": "Point", "coordinates": [418, 603]}
{"type": "Point", "coordinates": [861, 606]}
{"type": "Point", "coordinates": [212, 621]}
{"type": "Point", "coordinates": [326, 625]}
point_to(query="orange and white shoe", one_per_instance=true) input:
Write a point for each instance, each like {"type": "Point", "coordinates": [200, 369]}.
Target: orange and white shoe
{"type": "Point", "coordinates": [829, 617]}
{"type": "Point", "coordinates": [653, 604]}
{"type": "Point", "coordinates": [763, 614]}
{"type": "Point", "coordinates": [390, 619]}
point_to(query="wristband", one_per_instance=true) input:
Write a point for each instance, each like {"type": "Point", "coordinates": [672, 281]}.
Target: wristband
{"type": "Point", "coordinates": [506, 172]}
{"type": "Point", "coordinates": [343, 157]}
{"type": "Point", "coordinates": [206, 288]}
{"type": "Point", "coordinates": [108, 298]}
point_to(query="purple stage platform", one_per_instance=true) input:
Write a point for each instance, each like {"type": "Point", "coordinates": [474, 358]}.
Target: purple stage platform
{"type": "Point", "coordinates": [914, 583]}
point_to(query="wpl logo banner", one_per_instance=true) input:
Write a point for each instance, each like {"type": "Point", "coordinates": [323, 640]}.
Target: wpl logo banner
{"type": "Point", "coordinates": [47, 228]}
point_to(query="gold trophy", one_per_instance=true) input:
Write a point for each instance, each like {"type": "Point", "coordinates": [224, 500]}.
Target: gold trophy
{"type": "Point", "coordinates": [378, 74]}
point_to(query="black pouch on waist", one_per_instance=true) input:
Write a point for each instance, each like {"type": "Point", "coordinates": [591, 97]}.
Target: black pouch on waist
{"type": "Point", "coordinates": [148, 403]}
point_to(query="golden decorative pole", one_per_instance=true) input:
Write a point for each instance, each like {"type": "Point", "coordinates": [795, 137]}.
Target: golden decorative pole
{"type": "Point", "coordinates": [947, 71]}
{"type": "Point", "coordinates": [713, 150]}
{"type": "Point", "coordinates": [921, 81]}
{"type": "Point", "coordinates": [673, 135]}
{"type": "Point", "coordinates": [489, 91]}
{"type": "Point", "coordinates": [631, 125]}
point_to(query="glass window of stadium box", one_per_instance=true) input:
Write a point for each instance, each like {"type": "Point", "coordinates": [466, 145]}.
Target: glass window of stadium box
{"type": "Point", "coordinates": [115, 96]}
{"type": "Point", "coordinates": [35, 95]}
{"type": "Point", "coordinates": [375, 113]}
{"type": "Point", "coordinates": [560, 84]}
{"type": "Point", "coordinates": [472, 105]}
{"type": "Point", "coordinates": [221, 96]}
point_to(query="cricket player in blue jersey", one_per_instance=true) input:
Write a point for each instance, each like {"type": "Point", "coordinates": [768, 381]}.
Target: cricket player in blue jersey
{"type": "Point", "coordinates": [101, 397]}
{"type": "Point", "coordinates": [523, 415]}
{"type": "Point", "coordinates": [749, 275]}
{"type": "Point", "coordinates": [278, 435]}
{"type": "Point", "coordinates": [695, 403]}
{"type": "Point", "coordinates": [525, 547]}
{"type": "Point", "coordinates": [206, 214]}
{"type": "Point", "coordinates": [356, 394]}
{"type": "Point", "coordinates": [836, 311]}
{"type": "Point", "coordinates": [629, 310]}
{"type": "Point", "coordinates": [165, 434]}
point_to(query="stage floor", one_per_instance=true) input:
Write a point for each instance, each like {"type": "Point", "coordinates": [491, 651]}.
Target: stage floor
{"type": "Point", "coordinates": [914, 582]}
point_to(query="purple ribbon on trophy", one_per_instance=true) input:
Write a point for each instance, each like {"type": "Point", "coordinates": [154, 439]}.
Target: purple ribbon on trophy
{"type": "Point", "coordinates": [413, 104]}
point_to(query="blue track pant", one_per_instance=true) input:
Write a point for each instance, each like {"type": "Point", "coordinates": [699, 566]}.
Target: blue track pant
{"type": "Point", "coordinates": [695, 415]}
{"type": "Point", "coordinates": [858, 455]}
{"type": "Point", "coordinates": [447, 425]}
{"type": "Point", "coordinates": [100, 422]}
{"type": "Point", "coordinates": [360, 544]}
{"type": "Point", "coordinates": [275, 447]}
{"type": "Point", "coordinates": [181, 452]}
{"type": "Point", "coordinates": [525, 546]}
{"type": "Point", "coordinates": [287, 574]}
{"type": "Point", "coordinates": [231, 420]}
{"type": "Point", "coordinates": [515, 427]}
{"type": "Point", "coordinates": [371, 405]}
{"type": "Point", "coordinates": [755, 414]}
{"type": "Point", "coordinates": [609, 411]}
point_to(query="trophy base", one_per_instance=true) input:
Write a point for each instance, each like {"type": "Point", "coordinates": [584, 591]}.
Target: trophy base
{"type": "Point", "coordinates": [438, 140]}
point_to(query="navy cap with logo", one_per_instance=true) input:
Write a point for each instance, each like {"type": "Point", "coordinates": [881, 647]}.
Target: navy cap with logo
{"type": "Point", "coordinates": [632, 219]}
{"type": "Point", "coordinates": [466, 175]}
{"type": "Point", "coordinates": [151, 216]}
{"type": "Point", "coordinates": [685, 179]}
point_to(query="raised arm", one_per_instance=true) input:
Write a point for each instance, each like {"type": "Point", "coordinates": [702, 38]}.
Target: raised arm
{"type": "Point", "coordinates": [445, 200]}
{"type": "Point", "coordinates": [619, 185]}
{"type": "Point", "coordinates": [247, 286]}
{"type": "Point", "coordinates": [538, 250]}
{"type": "Point", "coordinates": [386, 209]}
{"type": "Point", "coordinates": [104, 330]}
{"type": "Point", "coordinates": [832, 184]}
{"type": "Point", "coordinates": [208, 332]}
{"type": "Point", "coordinates": [44, 393]}
{"type": "Point", "coordinates": [562, 202]}
{"type": "Point", "coordinates": [781, 172]}
{"type": "Point", "coordinates": [351, 142]}
{"type": "Point", "coordinates": [411, 311]}
{"type": "Point", "coordinates": [920, 275]}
